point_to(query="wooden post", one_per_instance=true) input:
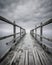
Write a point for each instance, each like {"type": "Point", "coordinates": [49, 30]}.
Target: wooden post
{"type": "Point", "coordinates": [20, 33]}
{"type": "Point", "coordinates": [24, 32]}
{"type": "Point", "coordinates": [14, 31]}
{"type": "Point", "coordinates": [41, 32]}
{"type": "Point", "coordinates": [35, 33]}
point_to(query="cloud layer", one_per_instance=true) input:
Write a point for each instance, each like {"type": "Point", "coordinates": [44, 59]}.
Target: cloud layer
{"type": "Point", "coordinates": [27, 12]}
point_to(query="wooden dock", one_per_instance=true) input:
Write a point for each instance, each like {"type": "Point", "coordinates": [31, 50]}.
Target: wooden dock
{"type": "Point", "coordinates": [27, 52]}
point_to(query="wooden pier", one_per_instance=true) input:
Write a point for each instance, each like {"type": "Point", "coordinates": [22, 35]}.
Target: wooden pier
{"type": "Point", "coordinates": [26, 49]}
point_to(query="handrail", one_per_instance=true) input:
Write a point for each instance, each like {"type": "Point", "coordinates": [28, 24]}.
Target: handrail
{"type": "Point", "coordinates": [41, 30]}
{"type": "Point", "coordinates": [7, 21]}
{"type": "Point", "coordinates": [4, 37]}
{"type": "Point", "coordinates": [15, 38]}
{"type": "Point", "coordinates": [14, 28]}
{"type": "Point", "coordinates": [41, 35]}
{"type": "Point", "coordinates": [43, 24]}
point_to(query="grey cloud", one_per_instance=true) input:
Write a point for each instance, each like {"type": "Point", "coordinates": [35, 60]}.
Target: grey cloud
{"type": "Point", "coordinates": [32, 11]}
{"type": "Point", "coordinates": [5, 3]}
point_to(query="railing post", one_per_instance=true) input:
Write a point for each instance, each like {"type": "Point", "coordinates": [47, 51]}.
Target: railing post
{"type": "Point", "coordinates": [14, 31]}
{"type": "Point", "coordinates": [20, 32]}
{"type": "Point", "coordinates": [35, 33]}
{"type": "Point", "coordinates": [24, 32]}
{"type": "Point", "coordinates": [41, 32]}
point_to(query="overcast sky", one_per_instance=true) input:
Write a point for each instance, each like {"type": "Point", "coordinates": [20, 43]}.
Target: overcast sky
{"type": "Point", "coordinates": [26, 13]}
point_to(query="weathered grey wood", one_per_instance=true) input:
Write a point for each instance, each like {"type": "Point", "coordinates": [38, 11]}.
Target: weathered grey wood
{"type": "Point", "coordinates": [27, 58]}
{"type": "Point", "coordinates": [1, 38]}
{"type": "Point", "coordinates": [31, 58]}
{"type": "Point", "coordinates": [44, 24]}
{"type": "Point", "coordinates": [22, 60]}
{"type": "Point", "coordinates": [7, 21]}
{"type": "Point", "coordinates": [32, 53]}
{"type": "Point", "coordinates": [14, 29]}
{"type": "Point", "coordinates": [41, 59]}
{"type": "Point", "coordinates": [44, 57]}
{"type": "Point", "coordinates": [15, 53]}
{"type": "Point", "coordinates": [16, 58]}
{"type": "Point", "coordinates": [20, 32]}
{"type": "Point", "coordinates": [41, 32]}
{"type": "Point", "coordinates": [37, 60]}
{"type": "Point", "coordinates": [35, 33]}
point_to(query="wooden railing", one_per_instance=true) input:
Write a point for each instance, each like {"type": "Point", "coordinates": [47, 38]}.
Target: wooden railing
{"type": "Point", "coordinates": [14, 35]}
{"type": "Point", "coordinates": [14, 29]}
{"type": "Point", "coordinates": [41, 34]}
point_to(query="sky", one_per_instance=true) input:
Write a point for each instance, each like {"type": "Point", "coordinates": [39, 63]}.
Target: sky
{"type": "Point", "coordinates": [26, 13]}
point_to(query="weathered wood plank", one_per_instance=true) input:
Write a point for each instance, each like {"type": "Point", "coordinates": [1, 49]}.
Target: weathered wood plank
{"type": "Point", "coordinates": [31, 58]}
{"type": "Point", "coordinates": [27, 58]}
{"type": "Point", "coordinates": [22, 60]}
{"type": "Point", "coordinates": [44, 57]}
{"type": "Point", "coordinates": [37, 61]}
{"type": "Point", "coordinates": [16, 58]}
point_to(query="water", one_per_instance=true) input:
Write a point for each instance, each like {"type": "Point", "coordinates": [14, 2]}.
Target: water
{"type": "Point", "coordinates": [3, 46]}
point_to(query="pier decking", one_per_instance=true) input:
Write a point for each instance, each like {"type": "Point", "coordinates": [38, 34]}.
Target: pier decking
{"type": "Point", "coordinates": [28, 52]}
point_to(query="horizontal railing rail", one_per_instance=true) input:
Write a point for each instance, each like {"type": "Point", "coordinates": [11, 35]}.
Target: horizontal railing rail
{"type": "Point", "coordinates": [44, 24]}
{"type": "Point", "coordinates": [4, 37]}
{"type": "Point", "coordinates": [7, 21]}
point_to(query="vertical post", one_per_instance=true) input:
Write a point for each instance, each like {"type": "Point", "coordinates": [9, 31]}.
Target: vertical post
{"type": "Point", "coordinates": [14, 31]}
{"type": "Point", "coordinates": [35, 33]}
{"type": "Point", "coordinates": [24, 31]}
{"type": "Point", "coordinates": [20, 32]}
{"type": "Point", "coordinates": [41, 32]}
